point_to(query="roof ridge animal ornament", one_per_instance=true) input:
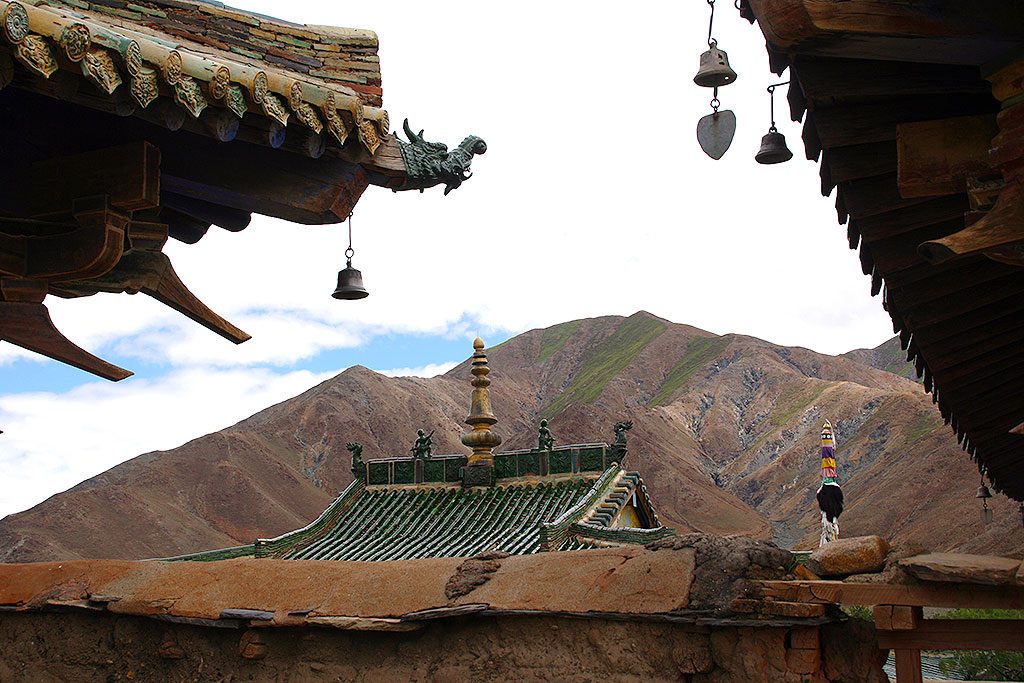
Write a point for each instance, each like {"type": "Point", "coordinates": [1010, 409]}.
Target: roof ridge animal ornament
{"type": "Point", "coordinates": [829, 495]}
{"type": "Point", "coordinates": [618, 450]}
{"type": "Point", "coordinates": [358, 467]}
{"type": "Point", "coordinates": [430, 163]}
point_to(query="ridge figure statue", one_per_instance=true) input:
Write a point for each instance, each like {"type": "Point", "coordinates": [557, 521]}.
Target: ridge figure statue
{"type": "Point", "coordinates": [423, 448]}
{"type": "Point", "coordinates": [545, 440]}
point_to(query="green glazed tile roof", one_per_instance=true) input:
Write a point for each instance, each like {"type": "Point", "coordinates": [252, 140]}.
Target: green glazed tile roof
{"type": "Point", "coordinates": [519, 516]}
{"type": "Point", "coordinates": [407, 523]}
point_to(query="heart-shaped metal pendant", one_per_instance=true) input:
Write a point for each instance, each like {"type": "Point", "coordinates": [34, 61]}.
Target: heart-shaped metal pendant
{"type": "Point", "coordinates": [715, 132]}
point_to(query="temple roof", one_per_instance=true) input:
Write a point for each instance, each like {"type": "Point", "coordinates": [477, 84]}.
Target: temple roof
{"type": "Point", "coordinates": [914, 112]}
{"type": "Point", "coordinates": [129, 124]}
{"type": "Point", "coordinates": [520, 515]}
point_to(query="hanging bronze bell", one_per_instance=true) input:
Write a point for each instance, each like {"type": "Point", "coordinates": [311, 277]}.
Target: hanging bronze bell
{"type": "Point", "coordinates": [773, 149]}
{"type": "Point", "coordinates": [983, 492]}
{"type": "Point", "coordinates": [350, 284]}
{"type": "Point", "coordinates": [714, 69]}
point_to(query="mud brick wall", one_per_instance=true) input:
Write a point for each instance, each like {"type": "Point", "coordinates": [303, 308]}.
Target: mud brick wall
{"type": "Point", "coordinates": [83, 646]}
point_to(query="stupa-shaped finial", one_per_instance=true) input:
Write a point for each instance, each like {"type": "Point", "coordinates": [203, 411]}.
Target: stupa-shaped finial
{"type": "Point", "coordinates": [482, 440]}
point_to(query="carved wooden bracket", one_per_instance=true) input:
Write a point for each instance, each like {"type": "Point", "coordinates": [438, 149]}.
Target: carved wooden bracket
{"type": "Point", "coordinates": [25, 322]}
{"type": "Point", "coordinates": [998, 232]}
{"type": "Point", "coordinates": [89, 248]}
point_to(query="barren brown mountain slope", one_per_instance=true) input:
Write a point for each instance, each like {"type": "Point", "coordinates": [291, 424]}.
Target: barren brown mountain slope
{"type": "Point", "coordinates": [725, 435]}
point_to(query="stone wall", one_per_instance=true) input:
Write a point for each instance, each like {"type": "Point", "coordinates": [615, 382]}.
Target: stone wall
{"type": "Point", "coordinates": [87, 646]}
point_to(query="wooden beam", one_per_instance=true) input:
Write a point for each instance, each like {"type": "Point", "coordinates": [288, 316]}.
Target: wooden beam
{"type": "Point", "coordinates": [937, 157]}
{"type": "Point", "coordinates": [949, 595]}
{"type": "Point", "coordinates": [88, 249]}
{"type": "Point", "coordinates": [897, 617]}
{"type": "Point", "coordinates": [944, 33]}
{"type": "Point", "coordinates": [129, 174]}
{"type": "Point", "coordinates": [822, 79]}
{"type": "Point", "coordinates": [237, 175]}
{"type": "Point", "coordinates": [1001, 227]}
{"type": "Point", "coordinates": [856, 124]}
{"type": "Point", "coordinates": [956, 634]}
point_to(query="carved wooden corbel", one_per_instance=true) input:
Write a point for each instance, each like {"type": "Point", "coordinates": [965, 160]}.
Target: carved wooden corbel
{"type": "Point", "coordinates": [25, 322]}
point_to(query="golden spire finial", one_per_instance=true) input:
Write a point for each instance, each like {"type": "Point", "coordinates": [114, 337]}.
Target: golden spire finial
{"type": "Point", "coordinates": [482, 440]}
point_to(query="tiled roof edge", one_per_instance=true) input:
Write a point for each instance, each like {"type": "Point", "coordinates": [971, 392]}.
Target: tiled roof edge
{"type": "Point", "coordinates": [211, 555]}
{"type": "Point", "coordinates": [111, 53]}
{"type": "Point", "coordinates": [277, 546]}
{"type": "Point", "coordinates": [553, 533]}
{"type": "Point", "coordinates": [619, 535]}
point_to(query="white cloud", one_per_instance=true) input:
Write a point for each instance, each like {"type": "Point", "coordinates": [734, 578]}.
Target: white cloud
{"type": "Point", "coordinates": [593, 199]}
{"type": "Point", "coordinates": [52, 441]}
{"type": "Point", "coordinates": [428, 370]}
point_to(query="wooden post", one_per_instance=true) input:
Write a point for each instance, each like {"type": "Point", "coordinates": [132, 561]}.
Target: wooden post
{"type": "Point", "coordinates": [908, 666]}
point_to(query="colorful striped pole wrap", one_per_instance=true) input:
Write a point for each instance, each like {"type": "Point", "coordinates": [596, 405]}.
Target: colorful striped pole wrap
{"type": "Point", "coordinates": [828, 455]}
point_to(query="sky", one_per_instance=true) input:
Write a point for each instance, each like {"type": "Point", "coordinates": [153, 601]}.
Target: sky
{"type": "Point", "coordinates": [593, 198]}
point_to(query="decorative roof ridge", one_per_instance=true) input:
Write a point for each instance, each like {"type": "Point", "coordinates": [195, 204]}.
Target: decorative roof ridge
{"type": "Point", "coordinates": [518, 451]}
{"type": "Point", "coordinates": [102, 44]}
{"type": "Point", "coordinates": [552, 534]}
{"type": "Point", "coordinates": [276, 546]}
{"type": "Point", "coordinates": [503, 482]}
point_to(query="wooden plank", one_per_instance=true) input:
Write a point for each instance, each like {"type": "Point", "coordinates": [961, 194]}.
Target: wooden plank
{"type": "Point", "coordinates": [129, 174]}
{"type": "Point", "coordinates": [911, 218]}
{"type": "Point", "coordinates": [908, 666]}
{"type": "Point", "coordinates": [957, 634]}
{"type": "Point", "coordinates": [937, 157]}
{"type": "Point", "coordinates": [823, 79]}
{"type": "Point", "coordinates": [856, 124]}
{"type": "Point", "coordinates": [944, 33]}
{"type": "Point", "coordinates": [861, 161]}
{"type": "Point", "coordinates": [873, 196]}
{"type": "Point", "coordinates": [839, 592]}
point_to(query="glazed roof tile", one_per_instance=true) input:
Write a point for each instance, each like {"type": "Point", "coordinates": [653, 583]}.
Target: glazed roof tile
{"type": "Point", "coordinates": [521, 515]}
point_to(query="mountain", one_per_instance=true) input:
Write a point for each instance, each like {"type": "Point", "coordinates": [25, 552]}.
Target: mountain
{"type": "Point", "coordinates": [725, 434]}
{"type": "Point", "coordinates": [888, 356]}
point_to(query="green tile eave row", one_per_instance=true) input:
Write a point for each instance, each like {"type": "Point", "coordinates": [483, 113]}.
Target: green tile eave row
{"type": "Point", "coordinates": [408, 523]}
{"type": "Point", "coordinates": [213, 555]}
{"type": "Point", "coordinates": [287, 542]}
{"type": "Point", "coordinates": [553, 533]}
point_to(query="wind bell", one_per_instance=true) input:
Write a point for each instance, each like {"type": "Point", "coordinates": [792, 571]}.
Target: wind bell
{"type": "Point", "coordinates": [984, 494]}
{"type": "Point", "coordinates": [716, 130]}
{"type": "Point", "coordinates": [350, 280]}
{"type": "Point", "coordinates": [773, 145]}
